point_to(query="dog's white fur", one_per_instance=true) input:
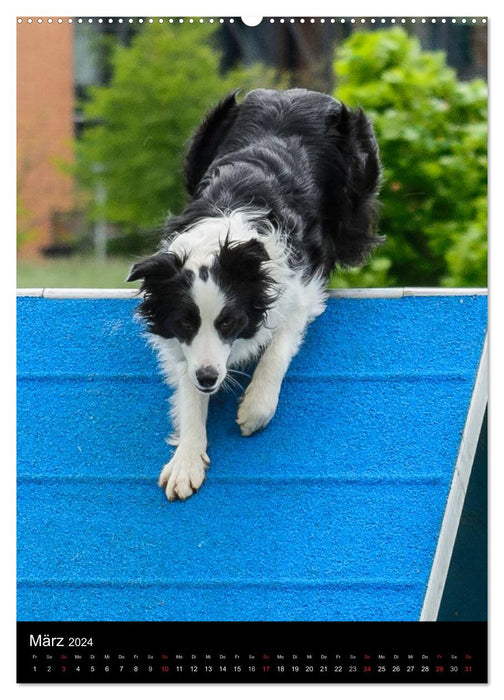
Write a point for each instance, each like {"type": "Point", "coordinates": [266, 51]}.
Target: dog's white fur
{"type": "Point", "coordinates": [299, 301]}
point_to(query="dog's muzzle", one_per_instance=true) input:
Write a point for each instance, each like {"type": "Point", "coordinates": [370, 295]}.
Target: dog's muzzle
{"type": "Point", "coordinates": [207, 379]}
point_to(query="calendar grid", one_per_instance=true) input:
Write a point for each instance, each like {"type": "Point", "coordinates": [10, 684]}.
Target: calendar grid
{"type": "Point", "coordinates": [252, 652]}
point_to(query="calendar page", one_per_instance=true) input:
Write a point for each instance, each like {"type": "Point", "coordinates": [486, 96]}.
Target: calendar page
{"type": "Point", "coordinates": [252, 356]}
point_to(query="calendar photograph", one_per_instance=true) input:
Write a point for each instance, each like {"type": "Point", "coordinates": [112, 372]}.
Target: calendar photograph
{"type": "Point", "coordinates": [252, 363]}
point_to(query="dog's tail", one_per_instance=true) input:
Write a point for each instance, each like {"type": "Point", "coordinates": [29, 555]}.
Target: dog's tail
{"type": "Point", "coordinates": [350, 181]}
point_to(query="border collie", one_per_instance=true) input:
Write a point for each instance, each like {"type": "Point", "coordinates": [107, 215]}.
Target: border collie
{"type": "Point", "coordinates": [283, 187]}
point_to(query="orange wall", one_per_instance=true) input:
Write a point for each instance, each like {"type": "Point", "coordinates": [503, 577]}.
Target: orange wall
{"type": "Point", "coordinates": [45, 103]}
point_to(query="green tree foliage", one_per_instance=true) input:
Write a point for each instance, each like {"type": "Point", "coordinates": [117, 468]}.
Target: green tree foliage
{"type": "Point", "coordinates": [432, 132]}
{"type": "Point", "coordinates": [140, 123]}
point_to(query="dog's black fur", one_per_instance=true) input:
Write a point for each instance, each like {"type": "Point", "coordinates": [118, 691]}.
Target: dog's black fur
{"type": "Point", "coordinates": [301, 156]}
{"type": "Point", "coordinates": [305, 160]}
{"type": "Point", "coordinates": [171, 313]}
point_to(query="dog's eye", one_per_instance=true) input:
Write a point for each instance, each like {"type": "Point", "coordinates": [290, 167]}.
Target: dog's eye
{"type": "Point", "coordinates": [226, 325]}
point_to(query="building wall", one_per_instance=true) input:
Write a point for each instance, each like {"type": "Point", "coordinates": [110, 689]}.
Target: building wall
{"type": "Point", "coordinates": [44, 129]}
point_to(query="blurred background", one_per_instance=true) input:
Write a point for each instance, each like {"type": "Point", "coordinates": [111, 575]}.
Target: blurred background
{"type": "Point", "coordinates": [106, 107]}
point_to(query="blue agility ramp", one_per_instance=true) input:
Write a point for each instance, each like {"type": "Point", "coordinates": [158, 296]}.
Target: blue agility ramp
{"type": "Point", "coordinates": [336, 511]}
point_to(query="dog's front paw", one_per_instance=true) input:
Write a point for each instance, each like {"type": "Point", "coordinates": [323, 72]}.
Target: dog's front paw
{"type": "Point", "coordinates": [184, 473]}
{"type": "Point", "coordinates": [257, 408]}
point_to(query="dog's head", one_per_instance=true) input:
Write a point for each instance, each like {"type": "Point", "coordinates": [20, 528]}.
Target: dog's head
{"type": "Point", "coordinates": [206, 307]}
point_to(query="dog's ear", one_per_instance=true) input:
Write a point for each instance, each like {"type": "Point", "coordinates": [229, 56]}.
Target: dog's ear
{"type": "Point", "coordinates": [162, 266]}
{"type": "Point", "coordinates": [243, 260]}
{"type": "Point", "coordinates": [207, 139]}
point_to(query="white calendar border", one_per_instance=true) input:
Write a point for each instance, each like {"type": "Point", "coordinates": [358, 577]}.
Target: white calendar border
{"type": "Point", "coordinates": [293, 8]}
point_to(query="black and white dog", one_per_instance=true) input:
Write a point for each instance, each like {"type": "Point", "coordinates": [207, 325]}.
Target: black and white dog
{"type": "Point", "coordinates": [283, 187]}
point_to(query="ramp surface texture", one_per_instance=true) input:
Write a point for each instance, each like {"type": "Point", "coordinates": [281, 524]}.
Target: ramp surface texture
{"type": "Point", "coordinates": [331, 513]}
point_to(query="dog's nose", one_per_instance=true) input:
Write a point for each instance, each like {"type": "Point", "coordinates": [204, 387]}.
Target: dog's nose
{"type": "Point", "coordinates": [207, 377]}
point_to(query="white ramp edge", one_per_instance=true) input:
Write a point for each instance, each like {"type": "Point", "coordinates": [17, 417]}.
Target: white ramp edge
{"type": "Point", "coordinates": [356, 293]}
{"type": "Point", "coordinates": [457, 494]}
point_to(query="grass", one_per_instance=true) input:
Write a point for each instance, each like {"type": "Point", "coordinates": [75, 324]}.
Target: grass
{"type": "Point", "coordinates": [86, 271]}
{"type": "Point", "coordinates": [75, 271]}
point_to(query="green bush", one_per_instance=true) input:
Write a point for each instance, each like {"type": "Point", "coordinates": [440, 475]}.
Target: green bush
{"type": "Point", "coordinates": [432, 133]}
{"type": "Point", "coordinates": [140, 123]}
